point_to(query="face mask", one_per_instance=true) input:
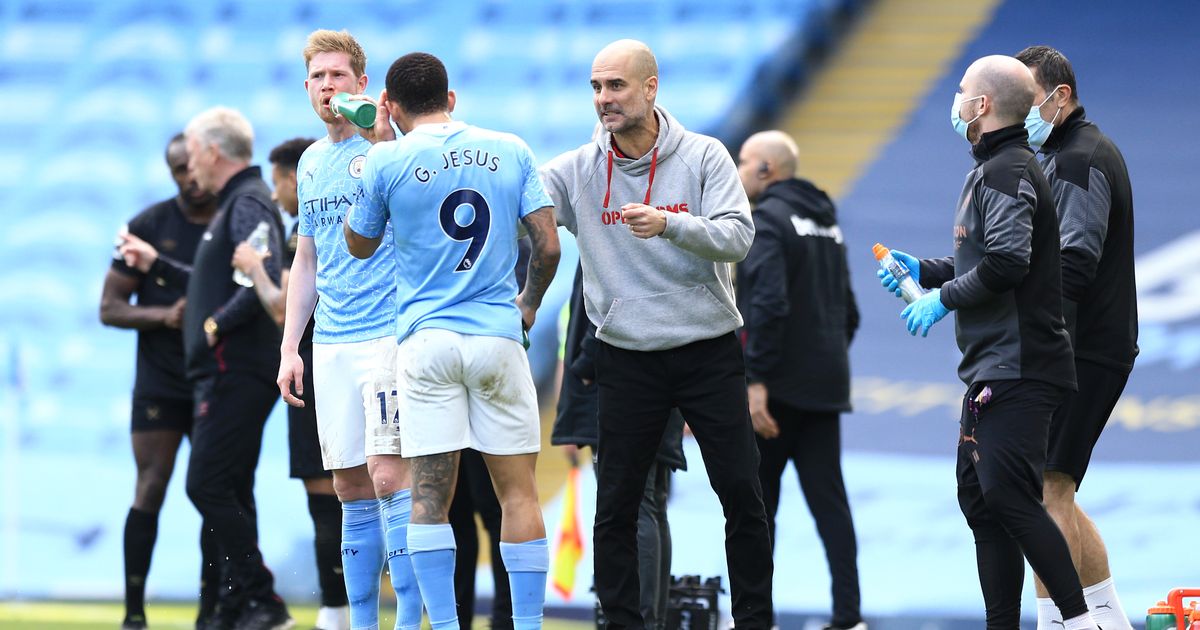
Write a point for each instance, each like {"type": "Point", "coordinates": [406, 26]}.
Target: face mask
{"type": "Point", "coordinates": [1037, 128]}
{"type": "Point", "coordinates": [956, 120]}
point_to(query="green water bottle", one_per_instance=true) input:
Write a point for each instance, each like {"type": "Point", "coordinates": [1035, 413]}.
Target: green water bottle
{"type": "Point", "coordinates": [1160, 617]}
{"type": "Point", "coordinates": [361, 113]}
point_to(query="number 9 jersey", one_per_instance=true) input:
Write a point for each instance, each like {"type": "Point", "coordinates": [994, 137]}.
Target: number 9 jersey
{"type": "Point", "coordinates": [454, 195]}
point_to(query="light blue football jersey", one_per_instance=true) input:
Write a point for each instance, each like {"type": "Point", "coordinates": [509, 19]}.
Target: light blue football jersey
{"type": "Point", "coordinates": [454, 195]}
{"type": "Point", "coordinates": [357, 298]}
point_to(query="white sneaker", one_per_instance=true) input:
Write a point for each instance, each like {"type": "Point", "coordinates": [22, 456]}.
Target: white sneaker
{"type": "Point", "coordinates": [862, 625]}
{"type": "Point", "coordinates": [331, 618]}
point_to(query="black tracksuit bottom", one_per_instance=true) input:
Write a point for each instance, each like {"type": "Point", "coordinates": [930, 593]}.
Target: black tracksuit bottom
{"type": "Point", "coordinates": [811, 440]}
{"type": "Point", "coordinates": [231, 410]}
{"type": "Point", "coordinates": [706, 380]}
{"type": "Point", "coordinates": [1001, 456]}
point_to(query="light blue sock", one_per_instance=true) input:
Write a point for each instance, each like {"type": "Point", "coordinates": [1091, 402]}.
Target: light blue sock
{"type": "Point", "coordinates": [362, 560]}
{"type": "Point", "coordinates": [527, 564]}
{"type": "Point", "coordinates": [397, 508]}
{"type": "Point", "coordinates": [431, 548]}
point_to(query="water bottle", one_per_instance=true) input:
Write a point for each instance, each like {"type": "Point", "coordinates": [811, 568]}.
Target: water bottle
{"type": "Point", "coordinates": [909, 289]}
{"type": "Point", "coordinates": [260, 240]}
{"type": "Point", "coordinates": [1160, 617]}
{"type": "Point", "coordinates": [361, 113]}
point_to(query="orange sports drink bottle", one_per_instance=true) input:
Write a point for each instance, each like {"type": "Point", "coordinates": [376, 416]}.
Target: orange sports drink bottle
{"type": "Point", "coordinates": [909, 289]}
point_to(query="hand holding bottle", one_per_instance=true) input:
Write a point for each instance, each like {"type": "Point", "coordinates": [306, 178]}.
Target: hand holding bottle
{"type": "Point", "coordinates": [924, 313]}
{"type": "Point", "coordinates": [900, 273]}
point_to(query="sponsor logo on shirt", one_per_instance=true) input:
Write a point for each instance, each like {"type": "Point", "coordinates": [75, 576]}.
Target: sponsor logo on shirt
{"type": "Point", "coordinates": [808, 227]}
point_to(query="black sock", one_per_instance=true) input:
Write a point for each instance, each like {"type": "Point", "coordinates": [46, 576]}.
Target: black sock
{"type": "Point", "coordinates": [326, 513]}
{"type": "Point", "coordinates": [141, 529]}
{"type": "Point", "coordinates": [210, 571]}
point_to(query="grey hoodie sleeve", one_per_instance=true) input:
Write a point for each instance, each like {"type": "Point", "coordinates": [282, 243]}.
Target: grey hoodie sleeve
{"type": "Point", "coordinates": [722, 230]}
{"type": "Point", "coordinates": [1007, 239]}
{"type": "Point", "coordinates": [1083, 226]}
{"type": "Point", "coordinates": [554, 177]}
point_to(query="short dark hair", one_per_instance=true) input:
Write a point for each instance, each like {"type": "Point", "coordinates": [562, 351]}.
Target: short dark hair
{"type": "Point", "coordinates": [1053, 68]}
{"type": "Point", "coordinates": [418, 83]}
{"type": "Point", "coordinates": [287, 154]}
{"type": "Point", "coordinates": [175, 139]}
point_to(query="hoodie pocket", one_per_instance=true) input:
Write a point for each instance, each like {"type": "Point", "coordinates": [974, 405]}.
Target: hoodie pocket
{"type": "Point", "coordinates": [666, 320]}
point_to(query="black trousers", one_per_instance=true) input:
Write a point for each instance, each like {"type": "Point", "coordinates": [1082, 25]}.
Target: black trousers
{"type": "Point", "coordinates": [231, 410]}
{"type": "Point", "coordinates": [812, 441]}
{"type": "Point", "coordinates": [706, 380]}
{"type": "Point", "coordinates": [475, 494]}
{"type": "Point", "coordinates": [1001, 455]}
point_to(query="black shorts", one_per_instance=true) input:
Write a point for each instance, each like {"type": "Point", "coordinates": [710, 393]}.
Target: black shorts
{"type": "Point", "coordinates": [304, 447]}
{"type": "Point", "coordinates": [1081, 418]}
{"type": "Point", "coordinates": [161, 414]}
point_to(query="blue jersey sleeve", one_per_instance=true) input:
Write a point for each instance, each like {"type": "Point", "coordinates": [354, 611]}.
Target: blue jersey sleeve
{"type": "Point", "coordinates": [368, 217]}
{"type": "Point", "coordinates": [533, 194]}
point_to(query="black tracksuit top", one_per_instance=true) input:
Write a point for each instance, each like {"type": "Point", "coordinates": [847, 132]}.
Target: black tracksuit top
{"type": "Point", "coordinates": [1094, 199]}
{"type": "Point", "coordinates": [248, 338]}
{"type": "Point", "coordinates": [793, 290]}
{"type": "Point", "coordinates": [1004, 280]}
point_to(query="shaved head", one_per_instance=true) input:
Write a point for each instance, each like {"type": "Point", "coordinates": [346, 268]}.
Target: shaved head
{"type": "Point", "coordinates": [630, 54]}
{"type": "Point", "coordinates": [1006, 81]}
{"type": "Point", "coordinates": [766, 157]}
{"type": "Point", "coordinates": [624, 87]}
{"type": "Point", "coordinates": [778, 149]}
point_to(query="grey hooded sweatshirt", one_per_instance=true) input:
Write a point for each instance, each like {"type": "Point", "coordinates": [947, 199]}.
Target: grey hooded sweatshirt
{"type": "Point", "coordinates": [674, 289]}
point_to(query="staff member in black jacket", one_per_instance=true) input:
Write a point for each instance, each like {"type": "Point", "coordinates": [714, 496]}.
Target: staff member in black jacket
{"type": "Point", "coordinates": [794, 293]}
{"type": "Point", "coordinates": [230, 342]}
{"type": "Point", "coordinates": [1094, 199]}
{"type": "Point", "coordinates": [1003, 283]}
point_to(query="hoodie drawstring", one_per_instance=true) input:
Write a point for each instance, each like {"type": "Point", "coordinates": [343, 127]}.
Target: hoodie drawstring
{"type": "Point", "coordinates": [608, 183]}
{"type": "Point", "coordinates": [649, 184]}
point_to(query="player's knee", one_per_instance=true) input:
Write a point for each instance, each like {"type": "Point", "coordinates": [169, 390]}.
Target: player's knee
{"type": "Point", "coordinates": [1058, 490]}
{"type": "Point", "coordinates": [353, 487]}
{"type": "Point", "coordinates": [151, 491]}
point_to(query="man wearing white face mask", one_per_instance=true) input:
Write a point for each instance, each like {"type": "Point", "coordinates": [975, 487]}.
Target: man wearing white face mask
{"type": "Point", "coordinates": [1003, 284]}
{"type": "Point", "coordinates": [1093, 197]}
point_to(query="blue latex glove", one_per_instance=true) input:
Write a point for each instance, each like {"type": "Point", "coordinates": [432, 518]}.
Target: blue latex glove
{"type": "Point", "coordinates": [889, 282]}
{"type": "Point", "coordinates": [924, 313]}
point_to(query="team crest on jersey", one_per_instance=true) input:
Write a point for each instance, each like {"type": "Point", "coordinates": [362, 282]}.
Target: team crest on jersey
{"type": "Point", "coordinates": [356, 166]}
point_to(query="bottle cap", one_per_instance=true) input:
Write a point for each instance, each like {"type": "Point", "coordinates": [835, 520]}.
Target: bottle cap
{"type": "Point", "coordinates": [1161, 608]}
{"type": "Point", "coordinates": [880, 251]}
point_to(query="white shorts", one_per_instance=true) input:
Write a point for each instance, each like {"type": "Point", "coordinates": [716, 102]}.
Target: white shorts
{"type": "Point", "coordinates": [355, 393]}
{"type": "Point", "coordinates": [466, 391]}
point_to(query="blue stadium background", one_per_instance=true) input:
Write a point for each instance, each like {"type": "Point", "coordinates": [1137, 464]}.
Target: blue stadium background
{"type": "Point", "coordinates": [95, 89]}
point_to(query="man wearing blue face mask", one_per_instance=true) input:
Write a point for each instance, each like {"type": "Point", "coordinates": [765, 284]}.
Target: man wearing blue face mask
{"type": "Point", "coordinates": [1003, 284]}
{"type": "Point", "coordinates": [1092, 195]}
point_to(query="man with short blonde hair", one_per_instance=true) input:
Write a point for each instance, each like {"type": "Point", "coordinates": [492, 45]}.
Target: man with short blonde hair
{"type": "Point", "coordinates": [353, 352]}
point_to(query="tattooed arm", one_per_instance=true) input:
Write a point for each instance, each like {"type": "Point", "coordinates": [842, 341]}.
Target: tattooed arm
{"type": "Point", "coordinates": [543, 261]}
{"type": "Point", "coordinates": [433, 481]}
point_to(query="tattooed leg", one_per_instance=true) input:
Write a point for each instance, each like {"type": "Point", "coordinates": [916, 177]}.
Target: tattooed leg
{"type": "Point", "coordinates": [433, 481]}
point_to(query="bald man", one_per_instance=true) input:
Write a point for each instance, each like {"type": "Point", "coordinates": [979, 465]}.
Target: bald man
{"type": "Point", "coordinates": [659, 214]}
{"type": "Point", "coordinates": [1004, 284]}
{"type": "Point", "coordinates": [794, 293]}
